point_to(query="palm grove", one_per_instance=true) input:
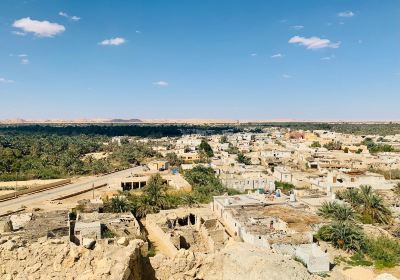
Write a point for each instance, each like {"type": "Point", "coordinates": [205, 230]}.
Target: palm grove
{"type": "Point", "coordinates": [355, 208]}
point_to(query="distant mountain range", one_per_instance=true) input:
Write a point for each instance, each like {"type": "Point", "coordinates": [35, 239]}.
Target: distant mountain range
{"type": "Point", "coordinates": [73, 121]}
{"type": "Point", "coordinates": [175, 121]}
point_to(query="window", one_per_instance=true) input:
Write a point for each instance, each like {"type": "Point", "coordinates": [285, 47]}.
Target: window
{"type": "Point", "coordinates": [77, 232]}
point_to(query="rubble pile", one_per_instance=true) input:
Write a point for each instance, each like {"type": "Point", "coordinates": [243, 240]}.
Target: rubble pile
{"type": "Point", "coordinates": [236, 261]}
{"type": "Point", "coordinates": [61, 259]}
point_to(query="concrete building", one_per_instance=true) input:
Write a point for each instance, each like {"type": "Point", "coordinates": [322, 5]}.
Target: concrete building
{"type": "Point", "coordinates": [352, 179]}
{"type": "Point", "coordinates": [283, 174]}
{"type": "Point", "coordinates": [158, 165]}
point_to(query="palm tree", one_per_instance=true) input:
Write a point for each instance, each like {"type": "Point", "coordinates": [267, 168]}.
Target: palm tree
{"type": "Point", "coordinates": [118, 205]}
{"type": "Point", "coordinates": [337, 211]}
{"type": "Point", "coordinates": [143, 207]}
{"type": "Point", "coordinates": [352, 196]}
{"type": "Point", "coordinates": [372, 207]}
{"type": "Point", "coordinates": [155, 192]}
{"type": "Point", "coordinates": [346, 236]}
{"type": "Point", "coordinates": [343, 235]}
{"type": "Point", "coordinates": [378, 210]}
{"type": "Point", "coordinates": [327, 209]}
{"type": "Point", "coordinates": [189, 200]}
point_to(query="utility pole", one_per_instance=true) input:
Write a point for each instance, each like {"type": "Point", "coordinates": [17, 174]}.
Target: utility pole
{"type": "Point", "coordinates": [93, 190]}
{"type": "Point", "coordinates": [16, 183]}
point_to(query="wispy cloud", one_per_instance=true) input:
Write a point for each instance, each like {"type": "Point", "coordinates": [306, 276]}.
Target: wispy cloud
{"type": "Point", "coordinates": [286, 76]}
{"type": "Point", "coordinates": [278, 55]}
{"type": "Point", "coordinates": [346, 14]}
{"type": "Point", "coordinates": [297, 27]}
{"type": "Point", "coordinates": [330, 57]}
{"type": "Point", "coordinates": [18, 33]}
{"type": "Point", "coordinates": [161, 83]}
{"type": "Point", "coordinates": [113, 41]}
{"type": "Point", "coordinates": [23, 57]}
{"type": "Point", "coordinates": [73, 18]}
{"type": "Point", "coordinates": [25, 61]}
{"type": "Point", "coordinates": [313, 43]}
{"type": "Point", "coordinates": [253, 54]}
{"type": "Point", "coordinates": [138, 32]}
{"type": "Point", "coordinates": [38, 28]}
{"type": "Point", "coordinates": [5, 81]}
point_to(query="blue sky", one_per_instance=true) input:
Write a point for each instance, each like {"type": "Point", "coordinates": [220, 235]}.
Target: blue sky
{"type": "Point", "coordinates": [231, 59]}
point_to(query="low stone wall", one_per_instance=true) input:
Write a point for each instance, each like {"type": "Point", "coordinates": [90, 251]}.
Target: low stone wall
{"type": "Point", "coordinates": [161, 237]}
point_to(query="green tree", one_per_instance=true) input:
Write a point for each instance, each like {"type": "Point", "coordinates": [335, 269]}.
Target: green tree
{"type": "Point", "coordinates": [155, 192]}
{"type": "Point", "coordinates": [173, 159]}
{"type": "Point", "coordinates": [241, 158]}
{"type": "Point", "coordinates": [204, 183]}
{"type": "Point", "coordinates": [284, 186]}
{"type": "Point", "coordinates": [368, 204]}
{"type": "Point", "coordinates": [206, 148]}
{"type": "Point", "coordinates": [343, 235]}
{"type": "Point", "coordinates": [118, 204]}
{"type": "Point", "coordinates": [223, 139]}
{"type": "Point", "coordinates": [336, 211]}
{"type": "Point", "coordinates": [333, 146]}
{"type": "Point", "coordinates": [315, 144]}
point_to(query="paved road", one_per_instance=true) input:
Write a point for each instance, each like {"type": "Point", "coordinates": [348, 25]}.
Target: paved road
{"type": "Point", "coordinates": [50, 194]}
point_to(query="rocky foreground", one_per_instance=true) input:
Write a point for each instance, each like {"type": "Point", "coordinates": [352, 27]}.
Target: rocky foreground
{"type": "Point", "coordinates": [61, 259]}
{"type": "Point", "coordinates": [236, 261]}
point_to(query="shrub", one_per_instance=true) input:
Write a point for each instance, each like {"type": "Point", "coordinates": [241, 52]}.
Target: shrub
{"type": "Point", "coordinates": [336, 211]}
{"type": "Point", "coordinates": [241, 158]}
{"type": "Point", "coordinates": [315, 144]}
{"type": "Point", "coordinates": [283, 186]}
{"type": "Point", "coordinates": [384, 251]}
{"type": "Point", "coordinates": [343, 235]}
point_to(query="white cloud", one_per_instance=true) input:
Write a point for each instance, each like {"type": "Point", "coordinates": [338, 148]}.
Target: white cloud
{"type": "Point", "coordinates": [253, 54]}
{"type": "Point", "coordinates": [113, 42]}
{"type": "Point", "coordinates": [39, 28]}
{"type": "Point", "coordinates": [138, 32]}
{"type": "Point", "coordinates": [73, 18]}
{"type": "Point", "coordinates": [5, 81]}
{"type": "Point", "coordinates": [328, 57]}
{"type": "Point", "coordinates": [346, 14]}
{"type": "Point", "coordinates": [297, 27]}
{"type": "Point", "coordinates": [161, 83]}
{"type": "Point", "coordinates": [23, 55]}
{"type": "Point", "coordinates": [18, 33]}
{"type": "Point", "coordinates": [24, 61]}
{"type": "Point", "coordinates": [314, 42]}
{"type": "Point", "coordinates": [278, 55]}
{"type": "Point", "coordinates": [286, 76]}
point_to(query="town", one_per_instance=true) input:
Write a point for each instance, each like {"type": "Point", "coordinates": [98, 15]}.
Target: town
{"type": "Point", "coordinates": [253, 203]}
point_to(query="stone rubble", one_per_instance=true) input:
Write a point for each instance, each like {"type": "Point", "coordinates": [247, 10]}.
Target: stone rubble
{"type": "Point", "coordinates": [236, 261]}
{"type": "Point", "coordinates": [61, 259]}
